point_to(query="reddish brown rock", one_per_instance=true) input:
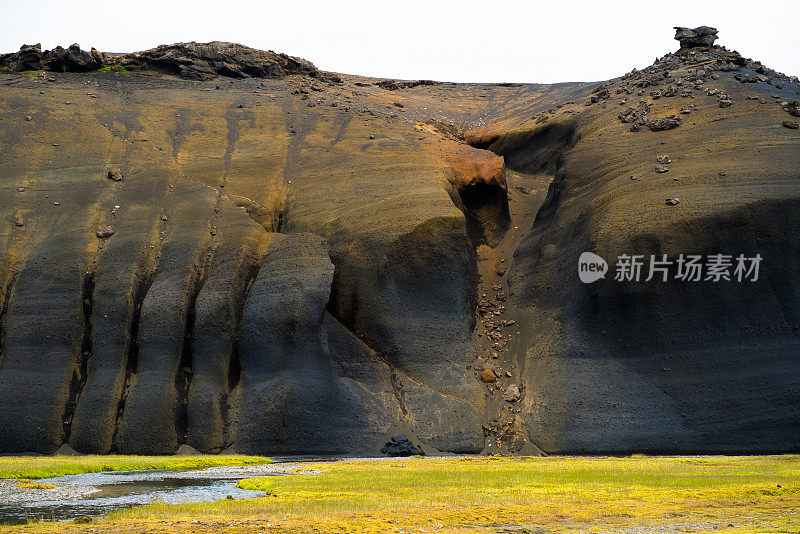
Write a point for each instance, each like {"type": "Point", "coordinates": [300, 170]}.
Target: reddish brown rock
{"type": "Point", "coordinates": [488, 376]}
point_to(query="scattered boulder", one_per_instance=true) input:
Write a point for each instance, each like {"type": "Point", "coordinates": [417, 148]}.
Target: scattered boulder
{"type": "Point", "coordinates": [115, 174]}
{"type": "Point", "coordinates": [601, 93]}
{"type": "Point", "coordinates": [700, 37]}
{"type": "Point", "coordinates": [400, 445]}
{"type": "Point", "coordinates": [793, 108]}
{"type": "Point", "coordinates": [19, 221]}
{"type": "Point", "coordinates": [746, 78]}
{"type": "Point", "coordinates": [664, 159]}
{"type": "Point", "coordinates": [672, 201]}
{"type": "Point", "coordinates": [665, 123]}
{"type": "Point", "coordinates": [104, 232]}
{"type": "Point", "coordinates": [661, 169]}
{"type": "Point", "coordinates": [488, 376]}
{"type": "Point", "coordinates": [636, 116]}
{"type": "Point", "coordinates": [512, 393]}
{"type": "Point", "coordinates": [792, 125]}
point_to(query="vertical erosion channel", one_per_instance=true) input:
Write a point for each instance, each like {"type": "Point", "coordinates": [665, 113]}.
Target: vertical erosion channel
{"type": "Point", "coordinates": [78, 380]}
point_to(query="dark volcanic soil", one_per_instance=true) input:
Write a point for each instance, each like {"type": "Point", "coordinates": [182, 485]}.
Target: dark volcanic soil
{"type": "Point", "coordinates": [309, 263]}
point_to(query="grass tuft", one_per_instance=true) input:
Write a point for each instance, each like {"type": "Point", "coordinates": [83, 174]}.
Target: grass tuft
{"type": "Point", "coordinates": [122, 69]}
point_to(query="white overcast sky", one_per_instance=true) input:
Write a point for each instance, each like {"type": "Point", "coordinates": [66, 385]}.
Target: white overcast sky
{"type": "Point", "coordinates": [465, 41]}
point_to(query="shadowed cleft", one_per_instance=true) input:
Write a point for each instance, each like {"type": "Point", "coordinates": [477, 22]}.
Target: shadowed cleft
{"type": "Point", "coordinates": [228, 401]}
{"type": "Point", "coordinates": [183, 378]}
{"type": "Point", "coordinates": [132, 361]}
{"type": "Point", "coordinates": [531, 150]}
{"type": "Point", "coordinates": [78, 380]}
{"type": "Point", "coordinates": [3, 312]}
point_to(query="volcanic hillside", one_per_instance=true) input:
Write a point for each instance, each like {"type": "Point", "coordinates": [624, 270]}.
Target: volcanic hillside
{"type": "Point", "coordinates": [225, 248]}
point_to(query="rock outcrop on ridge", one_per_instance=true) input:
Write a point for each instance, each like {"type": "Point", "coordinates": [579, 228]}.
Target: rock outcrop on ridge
{"type": "Point", "coordinates": [193, 61]}
{"type": "Point", "coordinates": [72, 59]}
{"type": "Point", "coordinates": [204, 61]}
{"type": "Point", "coordinates": [281, 260]}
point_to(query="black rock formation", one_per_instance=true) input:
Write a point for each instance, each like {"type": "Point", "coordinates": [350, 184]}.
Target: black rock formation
{"type": "Point", "coordinates": [204, 61]}
{"type": "Point", "coordinates": [400, 445]}
{"type": "Point", "coordinates": [702, 36]}
{"type": "Point", "coordinates": [72, 59]}
{"type": "Point", "coordinates": [195, 61]}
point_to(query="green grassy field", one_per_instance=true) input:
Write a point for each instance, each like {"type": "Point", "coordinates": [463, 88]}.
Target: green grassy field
{"type": "Point", "coordinates": [36, 467]}
{"type": "Point", "coordinates": [524, 495]}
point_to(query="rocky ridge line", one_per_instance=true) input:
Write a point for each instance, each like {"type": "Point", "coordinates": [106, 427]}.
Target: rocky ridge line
{"type": "Point", "coordinates": [193, 61]}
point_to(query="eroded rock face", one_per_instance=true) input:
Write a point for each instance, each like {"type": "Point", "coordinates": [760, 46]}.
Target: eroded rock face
{"type": "Point", "coordinates": [311, 272]}
{"type": "Point", "coordinates": [700, 37]}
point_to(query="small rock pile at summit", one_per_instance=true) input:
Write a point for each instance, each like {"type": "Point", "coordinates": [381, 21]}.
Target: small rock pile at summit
{"type": "Point", "coordinates": [706, 61]}
{"type": "Point", "coordinates": [703, 36]}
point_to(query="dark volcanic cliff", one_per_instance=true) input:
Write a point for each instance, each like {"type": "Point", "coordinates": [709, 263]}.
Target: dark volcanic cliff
{"type": "Point", "coordinates": [266, 258]}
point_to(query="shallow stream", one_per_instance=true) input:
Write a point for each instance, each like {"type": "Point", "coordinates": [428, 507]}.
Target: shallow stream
{"type": "Point", "coordinates": [96, 494]}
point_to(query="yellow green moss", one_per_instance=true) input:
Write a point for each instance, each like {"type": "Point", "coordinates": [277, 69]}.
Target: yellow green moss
{"type": "Point", "coordinates": [36, 467]}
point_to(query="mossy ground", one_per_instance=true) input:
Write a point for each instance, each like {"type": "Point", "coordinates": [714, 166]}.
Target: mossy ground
{"type": "Point", "coordinates": [37, 467]}
{"type": "Point", "coordinates": [114, 68]}
{"type": "Point", "coordinates": [635, 494]}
